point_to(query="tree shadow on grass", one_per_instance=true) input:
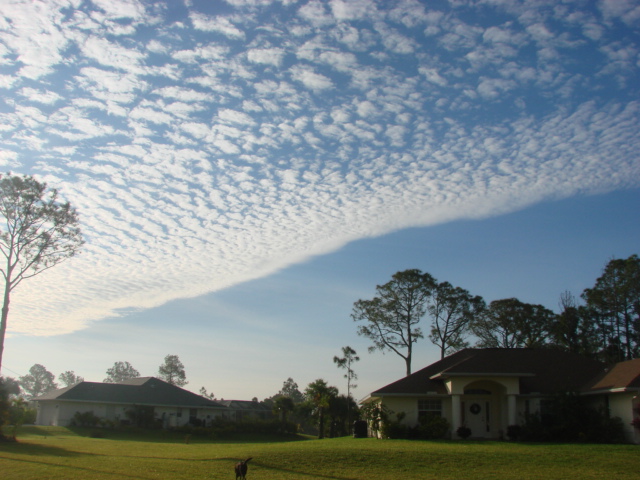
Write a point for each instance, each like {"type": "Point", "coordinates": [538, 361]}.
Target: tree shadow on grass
{"type": "Point", "coordinates": [35, 430]}
{"type": "Point", "coordinates": [169, 436]}
{"type": "Point", "coordinates": [11, 431]}
{"type": "Point", "coordinates": [301, 474]}
{"type": "Point", "coordinates": [36, 449]}
{"type": "Point", "coordinates": [258, 438]}
{"type": "Point", "coordinates": [38, 454]}
{"type": "Point", "coordinates": [85, 472]}
{"type": "Point", "coordinates": [258, 465]}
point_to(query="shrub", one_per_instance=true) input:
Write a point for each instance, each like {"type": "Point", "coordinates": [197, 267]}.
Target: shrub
{"type": "Point", "coordinates": [514, 432]}
{"type": "Point", "coordinates": [377, 416]}
{"type": "Point", "coordinates": [636, 421]}
{"type": "Point", "coordinates": [142, 416]}
{"type": "Point", "coordinates": [570, 419]}
{"type": "Point", "coordinates": [463, 432]}
{"type": "Point", "coordinates": [224, 428]}
{"type": "Point", "coordinates": [395, 431]}
{"type": "Point", "coordinates": [4, 408]}
{"type": "Point", "coordinates": [433, 427]}
{"type": "Point", "coordinates": [85, 419]}
{"type": "Point", "coordinates": [20, 413]}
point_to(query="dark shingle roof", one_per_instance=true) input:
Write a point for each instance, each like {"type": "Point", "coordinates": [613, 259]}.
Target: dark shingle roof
{"type": "Point", "coordinates": [539, 370]}
{"type": "Point", "coordinates": [137, 391]}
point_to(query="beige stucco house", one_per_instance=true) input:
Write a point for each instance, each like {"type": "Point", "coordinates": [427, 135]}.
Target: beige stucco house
{"type": "Point", "coordinates": [488, 390]}
{"type": "Point", "coordinates": [618, 390]}
{"type": "Point", "coordinates": [170, 406]}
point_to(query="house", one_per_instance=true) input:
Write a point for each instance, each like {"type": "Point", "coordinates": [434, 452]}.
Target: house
{"type": "Point", "coordinates": [488, 390]}
{"type": "Point", "coordinates": [243, 409]}
{"type": "Point", "coordinates": [618, 390]}
{"type": "Point", "coordinates": [166, 404]}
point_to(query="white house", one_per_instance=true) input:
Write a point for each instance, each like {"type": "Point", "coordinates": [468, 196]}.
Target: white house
{"type": "Point", "coordinates": [618, 389]}
{"type": "Point", "coordinates": [169, 405]}
{"type": "Point", "coordinates": [243, 409]}
{"type": "Point", "coordinates": [488, 390]}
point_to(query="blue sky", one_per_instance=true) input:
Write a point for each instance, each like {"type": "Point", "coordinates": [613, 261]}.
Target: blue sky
{"type": "Point", "coordinates": [246, 170]}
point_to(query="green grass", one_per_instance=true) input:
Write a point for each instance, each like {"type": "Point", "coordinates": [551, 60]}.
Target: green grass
{"type": "Point", "coordinates": [44, 453]}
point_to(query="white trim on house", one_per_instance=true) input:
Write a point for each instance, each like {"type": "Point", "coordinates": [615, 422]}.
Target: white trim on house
{"type": "Point", "coordinates": [171, 405]}
{"type": "Point", "coordinates": [503, 399]}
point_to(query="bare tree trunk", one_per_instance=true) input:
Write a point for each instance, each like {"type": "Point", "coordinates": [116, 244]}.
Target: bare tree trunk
{"type": "Point", "coordinates": [321, 424]}
{"type": "Point", "coordinates": [409, 348]}
{"type": "Point", "coordinates": [408, 362]}
{"type": "Point", "coordinates": [3, 321]}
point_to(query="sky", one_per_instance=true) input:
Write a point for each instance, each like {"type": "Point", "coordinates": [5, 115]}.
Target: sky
{"type": "Point", "coordinates": [246, 170]}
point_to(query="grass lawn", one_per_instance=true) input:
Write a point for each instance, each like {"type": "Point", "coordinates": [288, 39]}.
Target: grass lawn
{"type": "Point", "coordinates": [44, 453]}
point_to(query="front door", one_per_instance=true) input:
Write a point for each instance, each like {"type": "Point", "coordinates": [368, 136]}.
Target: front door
{"type": "Point", "coordinates": [477, 416]}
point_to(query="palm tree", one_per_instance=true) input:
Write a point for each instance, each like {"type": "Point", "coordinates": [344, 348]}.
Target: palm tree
{"type": "Point", "coordinates": [345, 362]}
{"type": "Point", "coordinates": [318, 394]}
{"type": "Point", "coordinates": [282, 406]}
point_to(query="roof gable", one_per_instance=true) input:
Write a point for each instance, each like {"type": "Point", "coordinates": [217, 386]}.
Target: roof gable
{"type": "Point", "coordinates": [622, 375]}
{"type": "Point", "coordinates": [538, 370]}
{"type": "Point", "coordinates": [138, 391]}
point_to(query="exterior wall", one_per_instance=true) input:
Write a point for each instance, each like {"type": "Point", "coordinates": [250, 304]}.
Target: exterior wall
{"type": "Point", "coordinates": [621, 405]}
{"type": "Point", "coordinates": [636, 432]}
{"type": "Point", "coordinates": [488, 407]}
{"type": "Point", "coordinates": [409, 406]}
{"type": "Point", "coordinates": [484, 404]}
{"type": "Point", "coordinates": [47, 414]}
{"type": "Point", "coordinates": [57, 413]}
{"type": "Point", "coordinates": [179, 416]}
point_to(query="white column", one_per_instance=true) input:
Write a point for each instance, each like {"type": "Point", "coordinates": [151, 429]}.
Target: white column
{"type": "Point", "coordinates": [455, 413]}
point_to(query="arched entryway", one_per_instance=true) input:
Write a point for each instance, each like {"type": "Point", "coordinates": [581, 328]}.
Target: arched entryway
{"type": "Point", "coordinates": [481, 408]}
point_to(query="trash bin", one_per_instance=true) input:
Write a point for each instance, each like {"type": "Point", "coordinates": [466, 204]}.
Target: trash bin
{"type": "Point", "coordinates": [360, 429]}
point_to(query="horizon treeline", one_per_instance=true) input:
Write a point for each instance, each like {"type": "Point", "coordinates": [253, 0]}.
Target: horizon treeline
{"type": "Point", "coordinates": [604, 323]}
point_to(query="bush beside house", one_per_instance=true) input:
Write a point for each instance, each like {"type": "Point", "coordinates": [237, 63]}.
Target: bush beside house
{"type": "Point", "coordinates": [519, 394]}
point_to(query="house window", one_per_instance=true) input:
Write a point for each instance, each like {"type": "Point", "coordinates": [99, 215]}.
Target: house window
{"type": "Point", "coordinates": [429, 407]}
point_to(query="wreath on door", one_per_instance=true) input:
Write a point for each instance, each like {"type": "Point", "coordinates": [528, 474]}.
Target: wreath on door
{"type": "Point", "coordinates": [475, 409]}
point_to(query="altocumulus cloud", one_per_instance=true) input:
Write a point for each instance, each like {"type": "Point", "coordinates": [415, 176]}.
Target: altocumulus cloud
{"type": "Point", "coordinates": [208, 144]}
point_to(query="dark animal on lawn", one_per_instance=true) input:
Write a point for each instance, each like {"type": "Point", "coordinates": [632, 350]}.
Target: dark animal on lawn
{"type": "Point", "coordinates": [241, 469]}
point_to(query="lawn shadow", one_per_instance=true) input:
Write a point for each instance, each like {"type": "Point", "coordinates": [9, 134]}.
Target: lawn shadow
{"type": "Point", "coordinates": [173, 436]}
{"type": "Point", "coordinates": [86, 472]}
{"type": "Point", "coordinates": [25, 430]}
{"type": "Point", "coordinates": [300, 474]}
{"type": "Point", "coordinates": [260, 465]}
{"type": "Point", "coordinates": [37, 449]}
{"type": "Point", "coordinates": [258, 438]}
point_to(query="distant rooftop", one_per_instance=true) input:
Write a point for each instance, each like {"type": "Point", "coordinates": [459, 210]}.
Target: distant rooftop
{"type": "Point", "coordinates": [138, 391]}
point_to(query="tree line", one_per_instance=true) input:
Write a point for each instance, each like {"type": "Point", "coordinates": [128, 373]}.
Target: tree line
{"type": "Point", "coordinates": [39, 380]}
{"type": "Point", "coordinates": [319, 409]}
{"type": "Point", "coordinates": [604, 325]}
